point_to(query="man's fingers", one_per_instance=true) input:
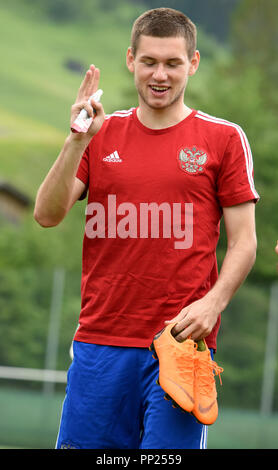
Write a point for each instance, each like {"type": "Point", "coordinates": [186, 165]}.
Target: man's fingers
{"type": "Point", "coordinates": [88, 87]}
{"type": "Point", "coordinates": [191, 327]}
{"type": "Point", "coordinates": [96, 105]}
{"type": "Point", "coordinates": [87, 79]}
{"type": "Point", "coordinates": [89, 109]}
{"type": "Point", "coordinates": [180, 327]}
{"type": "Point", "coordinates": [184, 326]}
{"type": "Point", "coordinates": [78, 107]}
{"type": "Point", "coordinates": [87, 84]}
{"type": "Point", "coordinates": [191, 332]}
{"type": "Point", "coordinates": [177, 318]}
{"type": "Point", "coordinates": [95, 82]}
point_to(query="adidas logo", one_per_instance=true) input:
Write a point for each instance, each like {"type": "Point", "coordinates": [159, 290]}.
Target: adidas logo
{"type": "Point", "coordinates": [113, 157]}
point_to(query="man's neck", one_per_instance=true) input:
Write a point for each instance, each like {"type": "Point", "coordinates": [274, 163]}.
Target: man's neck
{"type": "Point", "coordinates": [161, 118]}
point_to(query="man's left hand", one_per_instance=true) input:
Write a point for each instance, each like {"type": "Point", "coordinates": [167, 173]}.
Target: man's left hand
{"type": "Point", "coordinates": [196, 320]}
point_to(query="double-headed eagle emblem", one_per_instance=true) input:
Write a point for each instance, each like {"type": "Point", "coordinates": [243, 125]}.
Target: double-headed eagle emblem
{"type": "Point", "coordinates": [192, 160]}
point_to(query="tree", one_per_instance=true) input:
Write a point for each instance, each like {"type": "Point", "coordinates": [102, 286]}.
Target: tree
{"type": "Point", "coordinates": [254, 38]}
{"type": "Point", "coordinates": [213, 16]}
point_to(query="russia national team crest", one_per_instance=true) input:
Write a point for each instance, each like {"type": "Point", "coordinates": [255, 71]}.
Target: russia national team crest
{"type": "Point", "coordinates": [192, 160]}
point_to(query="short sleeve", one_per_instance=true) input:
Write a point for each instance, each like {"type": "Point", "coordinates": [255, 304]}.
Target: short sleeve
{"type": "Point", "coordinates": [83, 171]}
{"type": "Point", "coordinates": [235, 182]}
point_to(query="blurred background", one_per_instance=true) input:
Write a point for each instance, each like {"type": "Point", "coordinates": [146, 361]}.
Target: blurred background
{"type": "Point", "coordinates": [45, 48]}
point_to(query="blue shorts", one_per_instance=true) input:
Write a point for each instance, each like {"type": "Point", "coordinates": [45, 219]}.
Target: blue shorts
{"type": "Point", "coordinates": [113, 402]}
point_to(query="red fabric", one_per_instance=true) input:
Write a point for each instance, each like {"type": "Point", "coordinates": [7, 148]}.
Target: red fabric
{"type": "Point", "coordinates": [131, 285]}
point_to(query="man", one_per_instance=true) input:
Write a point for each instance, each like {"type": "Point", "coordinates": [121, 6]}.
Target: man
{"type": "Point", "coordinates": [159, 178]}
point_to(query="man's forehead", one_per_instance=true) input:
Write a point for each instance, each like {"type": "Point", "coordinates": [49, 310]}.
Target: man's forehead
{"type": "Point", "coordinates": [171, 46]}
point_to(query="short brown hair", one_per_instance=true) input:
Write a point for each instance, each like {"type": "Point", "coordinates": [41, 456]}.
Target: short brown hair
{"type": "Point", "coordinates": [164, 22]}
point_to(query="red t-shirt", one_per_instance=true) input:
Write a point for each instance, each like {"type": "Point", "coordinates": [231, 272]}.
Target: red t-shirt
{"type": "Point", "coordinates": [136, 272]}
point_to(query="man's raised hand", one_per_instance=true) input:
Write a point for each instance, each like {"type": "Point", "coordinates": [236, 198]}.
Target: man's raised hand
{"type": "Point", "coordinates": [94, 109]}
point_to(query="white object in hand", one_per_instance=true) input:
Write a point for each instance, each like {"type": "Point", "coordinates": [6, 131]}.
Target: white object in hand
{"type": "Point", "coordinates": [83, 121]}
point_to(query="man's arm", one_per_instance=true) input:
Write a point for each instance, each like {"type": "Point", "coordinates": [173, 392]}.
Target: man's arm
{"type": "Point", "coordinates": [60, 189]}
{"type": "Point", "coordinates": [199, 318]}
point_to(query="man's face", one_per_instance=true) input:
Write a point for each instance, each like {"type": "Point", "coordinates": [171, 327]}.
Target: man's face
{"type": "Point", "coordinates": [161, 69]}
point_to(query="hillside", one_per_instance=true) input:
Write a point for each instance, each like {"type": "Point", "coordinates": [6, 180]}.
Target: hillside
{"type": "Point", "coordinates": [38, 89]}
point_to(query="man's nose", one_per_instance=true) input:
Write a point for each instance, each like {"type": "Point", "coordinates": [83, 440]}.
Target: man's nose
{"type": "Point", "coordinates": [160, 73]}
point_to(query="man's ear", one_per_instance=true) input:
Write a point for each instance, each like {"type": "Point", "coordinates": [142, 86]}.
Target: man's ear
{"type": "Point", "coordinates": [130, 60]}
{"type": "Point", "coordinates": [194, 63]}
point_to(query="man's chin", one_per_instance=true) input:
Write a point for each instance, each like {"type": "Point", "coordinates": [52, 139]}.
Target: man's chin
{"type": "Point", "coordinates": [160, 104]}
{"type": "Point", "coordinates": [157, 105]}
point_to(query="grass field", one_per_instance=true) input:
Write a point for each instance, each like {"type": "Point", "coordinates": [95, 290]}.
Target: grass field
{"type": "Point", "coordinates": [30, 420]}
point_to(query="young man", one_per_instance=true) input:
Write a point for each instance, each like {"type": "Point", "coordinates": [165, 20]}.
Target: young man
{"type": "Point", "coordinates": [159, 178]}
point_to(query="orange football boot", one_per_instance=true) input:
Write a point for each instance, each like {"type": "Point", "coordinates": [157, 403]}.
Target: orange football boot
{"type": "Point", "coordinates": [176, 367]}
{"type": "Point", "coordinates": [205, 407]}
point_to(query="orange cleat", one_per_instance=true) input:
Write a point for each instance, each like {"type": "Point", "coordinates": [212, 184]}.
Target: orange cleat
{"type": "Point", "coordinates": [176, 367]}
{"type": "Point", "coordinates": [205, 407]}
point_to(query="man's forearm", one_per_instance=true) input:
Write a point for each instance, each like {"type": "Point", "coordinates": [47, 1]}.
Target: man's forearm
{"type": "Point", "coordinates": [237, 263]}
{"type": "Point", "coordinates": [54, 194]}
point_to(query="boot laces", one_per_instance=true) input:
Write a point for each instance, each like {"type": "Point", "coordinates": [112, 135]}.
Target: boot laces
{"type": "Point", "coordinates": [207, 370]}
{"type": "Point", "coordinates": [185, 364]}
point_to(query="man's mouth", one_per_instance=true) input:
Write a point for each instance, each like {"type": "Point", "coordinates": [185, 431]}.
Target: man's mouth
{"type": "Point", "coordinates": [159, 89]}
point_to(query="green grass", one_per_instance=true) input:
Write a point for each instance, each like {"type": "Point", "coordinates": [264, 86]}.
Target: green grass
{"type": "Point", "coordinates": [242, 429]}
{"type": "Point", "coordinates": [31, 420]}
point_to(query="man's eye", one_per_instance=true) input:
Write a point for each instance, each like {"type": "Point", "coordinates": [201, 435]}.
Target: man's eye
{"type": "Point", "coordinates": [149, 63]}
